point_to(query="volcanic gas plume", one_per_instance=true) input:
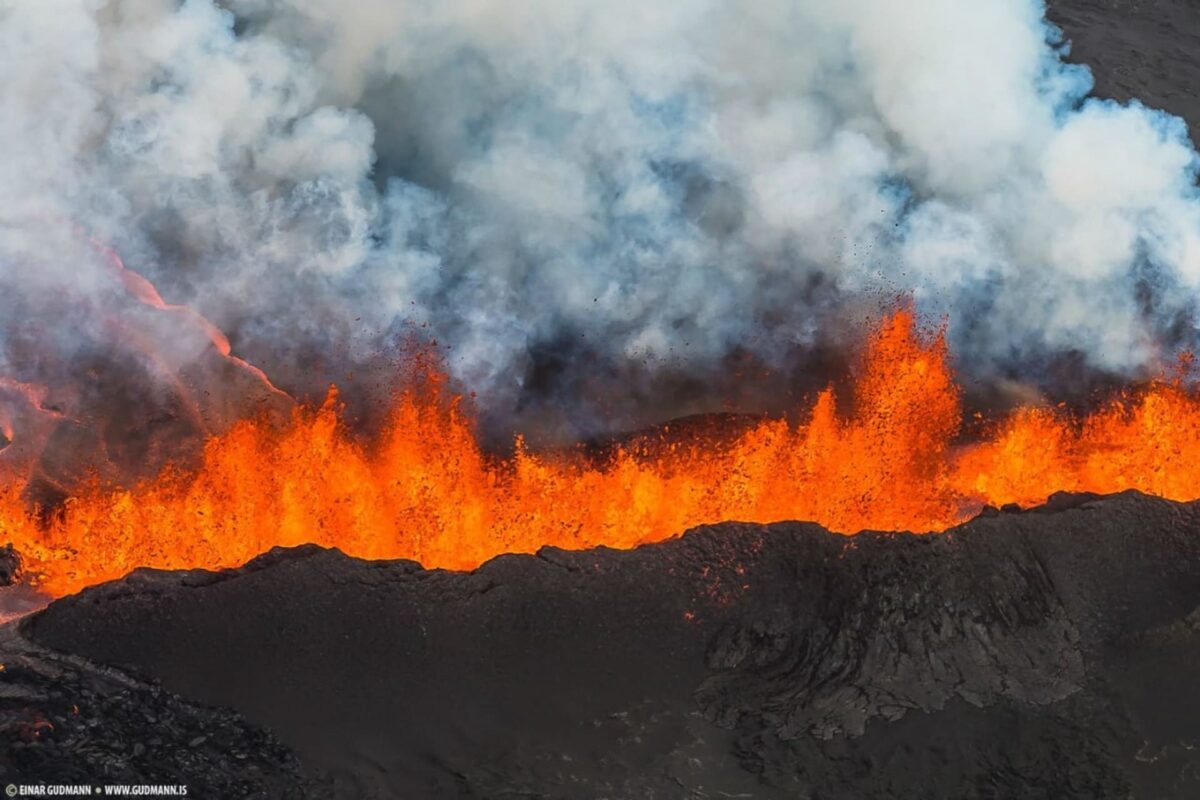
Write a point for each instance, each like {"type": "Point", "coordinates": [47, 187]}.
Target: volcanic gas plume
{"type": "Point", "coordinates": [689, 210]}
{"type": "Point", "coordinates": [596, 234]}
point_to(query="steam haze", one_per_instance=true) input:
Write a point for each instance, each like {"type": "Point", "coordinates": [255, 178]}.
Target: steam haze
{"type": "Point", "coordinates": [573, 195]}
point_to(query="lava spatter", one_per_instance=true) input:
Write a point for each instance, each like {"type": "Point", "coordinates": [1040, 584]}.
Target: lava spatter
{"type": "Point", "coordinates": [888, 458]}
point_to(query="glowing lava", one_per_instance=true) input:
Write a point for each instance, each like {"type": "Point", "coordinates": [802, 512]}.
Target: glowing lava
{"type": "Point", "coordinates": [424, 490]}
{"type": "Point", "coordinates": [147, 294]}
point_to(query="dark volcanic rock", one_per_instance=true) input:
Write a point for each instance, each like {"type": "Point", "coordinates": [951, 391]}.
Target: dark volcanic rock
{"type": "Point", "coordinates": [10, 565]}
{"type": "Point", "coordinates": [1144, 50]}
{"type": "Point", "coordinates": [1046, 654]}
{"type": "Point", "coordinates": [66, 721]}
{"type": "Point", "coordinates": [1025, 655]}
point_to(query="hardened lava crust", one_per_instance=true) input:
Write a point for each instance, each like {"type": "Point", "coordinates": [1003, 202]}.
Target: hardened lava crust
{"type": "Point", "coordinates": [1044, 653]}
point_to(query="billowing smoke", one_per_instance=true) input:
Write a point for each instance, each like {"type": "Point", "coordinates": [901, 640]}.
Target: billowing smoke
{"type": "Point", "coordinates": [596, 206]}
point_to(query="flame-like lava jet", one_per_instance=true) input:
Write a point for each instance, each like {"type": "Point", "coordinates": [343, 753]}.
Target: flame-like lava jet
{"type": "Point", "coordinates": [132, 384]}
{"type": "Point", "coordinates": [424, 489]}
{"type": "Point", "coordinates": [145, 292]}
{"type": "Point", "coordinates": [23, 406]}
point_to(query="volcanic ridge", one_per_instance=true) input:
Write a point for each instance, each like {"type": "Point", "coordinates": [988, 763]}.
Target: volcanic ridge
{"type": "Point", "coordinates": [1045, 653]}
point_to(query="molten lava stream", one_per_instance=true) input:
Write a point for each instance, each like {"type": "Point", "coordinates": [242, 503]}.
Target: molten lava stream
{"type": "Point", "coordinates": [424, 490]}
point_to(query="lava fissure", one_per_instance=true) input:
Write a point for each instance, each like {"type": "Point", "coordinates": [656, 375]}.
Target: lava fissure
{"type": "Point", "coordinates": [425, 490]}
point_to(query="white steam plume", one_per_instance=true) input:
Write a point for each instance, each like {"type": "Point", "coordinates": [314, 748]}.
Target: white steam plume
{"type": "Point", "coordinates": [660, 183]}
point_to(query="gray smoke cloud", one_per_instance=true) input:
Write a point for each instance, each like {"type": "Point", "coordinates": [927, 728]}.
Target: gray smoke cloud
{"type": "Point", "coordinates": [573, 193]}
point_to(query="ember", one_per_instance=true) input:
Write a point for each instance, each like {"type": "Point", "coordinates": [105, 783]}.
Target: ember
{"type": "Point", "coordinates": [425, 490]}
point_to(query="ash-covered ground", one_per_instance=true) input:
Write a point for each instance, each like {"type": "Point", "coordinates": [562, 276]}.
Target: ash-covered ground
{"type": "Point", "coordinates": [1049, 653]}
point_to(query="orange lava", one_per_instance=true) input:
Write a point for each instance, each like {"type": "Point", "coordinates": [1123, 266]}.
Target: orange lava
{"type": "Point", "coordinates": [886, 458]}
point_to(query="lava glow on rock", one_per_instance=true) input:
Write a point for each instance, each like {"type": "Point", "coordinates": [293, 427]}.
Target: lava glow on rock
{"type": "Point", "coordinates": [425, 490]}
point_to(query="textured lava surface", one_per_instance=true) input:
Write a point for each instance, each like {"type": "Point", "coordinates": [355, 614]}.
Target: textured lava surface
{"type": "Point", "coordinates": [64, 720]}
{"type": "Point", "coordinates": [1048, 653]}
